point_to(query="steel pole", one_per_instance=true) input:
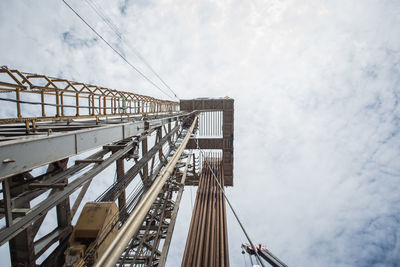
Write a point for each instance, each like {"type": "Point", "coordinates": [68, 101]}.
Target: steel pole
{"type": "Point", "coordinates": [135, 219]}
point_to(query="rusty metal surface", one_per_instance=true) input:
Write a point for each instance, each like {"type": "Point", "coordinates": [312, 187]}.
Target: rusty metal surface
{"type": "Point", "coordinates": [207, 241]}
{"type": "Point", "coordinates": [205, 143]}
{"type": "Point", "coordinates": [216, 120]}
{"type": "Point", "coordinates": [61, 99]}
{"type": "Point", "coordinates": [71, 117]}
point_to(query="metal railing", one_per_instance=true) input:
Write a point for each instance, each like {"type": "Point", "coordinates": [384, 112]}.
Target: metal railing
{"type": "Point", "coordinates": [28, 97]}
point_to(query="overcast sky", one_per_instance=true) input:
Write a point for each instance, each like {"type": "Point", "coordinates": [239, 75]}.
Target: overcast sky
{"type": "Point", "coordinates": [316, 86]}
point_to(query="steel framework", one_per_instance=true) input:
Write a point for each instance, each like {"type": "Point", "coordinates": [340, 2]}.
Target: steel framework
{"type": "Point", "coordinates": [52, 127]}
{"type": "Point", "coordinates": [64, 98]}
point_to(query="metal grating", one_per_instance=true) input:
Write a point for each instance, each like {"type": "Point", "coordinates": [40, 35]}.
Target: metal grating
{"type": "Point", "coordinates": [210, 124]}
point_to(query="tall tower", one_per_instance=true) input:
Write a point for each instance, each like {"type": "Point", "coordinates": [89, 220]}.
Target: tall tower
{"type": "Point", "coordinates": [157, 148]}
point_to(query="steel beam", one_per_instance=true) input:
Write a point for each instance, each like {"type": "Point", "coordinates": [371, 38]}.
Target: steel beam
{"type": "Point", "coordinates": [21, 245]}
{"type": "Point", "coordinates": [113, 193]}
{"type": "Point", "coordinates": [7, 202]}
{"type": "Point", "coordinates": [145, 169]}
{"type": "Point", "coordinates": [206, 107]}
{"type": "Point", "coordinates": [14, 158]}
{"type": "Point", "coordinates": [79, 198]}
{"type": "Point", "coordinates": [120, 173]}
{"type": "Point", "coordinates": [205, 143]}
{"type": "Point", "coordinates": [9, 232]}
{"type": "Point", "coordinates": [131, 226]}
{"type": "Point", "coordinates": [52, 179]}
{"type": "Point", "coordinates": [146, 246]}
{"type": "Point", "coordinates": [42, 244]}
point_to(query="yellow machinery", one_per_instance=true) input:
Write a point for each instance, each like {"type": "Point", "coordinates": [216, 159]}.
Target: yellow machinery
{"type": "Point", "coordinates": [95, 229]}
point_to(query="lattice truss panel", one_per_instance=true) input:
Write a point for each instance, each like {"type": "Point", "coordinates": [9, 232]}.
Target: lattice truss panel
{"type": "Point", "coordinates": [60, 135]}
{"type": "Point", "coordinates": [32, 97]}
{"type": "Point", "coordinates": [44, 172]}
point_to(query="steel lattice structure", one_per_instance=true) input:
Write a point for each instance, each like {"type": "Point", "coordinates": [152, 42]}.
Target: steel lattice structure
{"type": "Point", "coordinates": [52, 121]}
{"type": "Point", "coordinates": [66, 100]}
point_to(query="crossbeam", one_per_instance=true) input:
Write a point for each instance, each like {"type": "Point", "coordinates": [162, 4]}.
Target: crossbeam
{"type": "Point", "coordinates": [15, 158]}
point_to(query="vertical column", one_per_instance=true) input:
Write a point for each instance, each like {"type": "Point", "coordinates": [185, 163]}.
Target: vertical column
{"type": "Point", "coordinates": [146, 166]}
{"type": "Point", "coordinates": [21, 246]}
{"type": "Point", "coordinates": [227, 133]}
{"type": "Point", "coordinates": [42, 103]}
{"type": "Point", "coordinates": [63, 209]}
{"type": "Point", "coordinates": [17, 97]}
{"type": "Point", "coordinates": [76, 103]}
{"type": "Point", "coordinates": [120, 174]}
{"type": "Point", "coordinates": [169, 130]}
{"type": "Point", "coordinates": [159, 136]}
{"type": "Point", "coordinates": [64, 213]}
{"type": "Point", "coordinates": [57, 103]}
{"type": "Point", "coordinates": [7, 201]}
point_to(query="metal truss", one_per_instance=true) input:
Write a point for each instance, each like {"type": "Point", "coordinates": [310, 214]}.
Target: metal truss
{"type": "Point", "coordinates": [59, 181]}
{"type": "Point", "coordinates": [150, 245]}
{"type": "Point", "coordinates": [149, 207]}
{"type": "Point", "coordinates": [61, 99]}
{"type": "Point", "coordinates": [53, 119]}
{"type": "Point", "coordinates": [72, 142]}
{"type": "Point", "coordinates": [216, 128]}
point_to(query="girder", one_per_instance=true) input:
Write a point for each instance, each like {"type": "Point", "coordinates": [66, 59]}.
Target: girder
{"type": "Point", "coordinates": [134, 221]}
{"type": "Point", "coordinates": [60, 191]}
{"type": "Point", "coordinates": [119, 124]}
{"type": "Point", "coordinates": [15, 158]}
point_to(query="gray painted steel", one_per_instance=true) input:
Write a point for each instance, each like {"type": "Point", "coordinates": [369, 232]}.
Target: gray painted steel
{"type": "Point", "coordinates": [17, 156]}
{"type": "Point", "coordinates": [36, 212]}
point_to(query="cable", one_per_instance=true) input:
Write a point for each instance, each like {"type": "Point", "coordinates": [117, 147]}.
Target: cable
{"type": "Point", "coordinates": [131, 200]}
{"type": "Point", "coordinates": [251, 260]}
{"type": "Point", "coordinates": [118, 53]}
{"type": "Point", "coordinates": [107, 20]}
{"type": "Point", "coordinates": [191, 198]}
{"type": "Point", "coordinates": [229, 203]}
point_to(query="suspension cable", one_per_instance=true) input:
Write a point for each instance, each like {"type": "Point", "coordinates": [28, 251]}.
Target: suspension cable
{"type": "Point", "coordinates": [115, 50]}
{"type": "Point", "coordinates": [108, 21]}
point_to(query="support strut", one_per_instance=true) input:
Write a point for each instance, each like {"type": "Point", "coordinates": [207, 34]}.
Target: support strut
{"type": "Point", "coordinates": [132, 225]}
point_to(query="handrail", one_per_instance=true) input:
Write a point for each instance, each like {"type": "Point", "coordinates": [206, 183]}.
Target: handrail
{"type": "Point", "coordinates": [61, 99]}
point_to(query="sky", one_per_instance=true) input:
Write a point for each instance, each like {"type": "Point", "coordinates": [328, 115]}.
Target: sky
{"type": "Point", "coordinates": [316, 86]}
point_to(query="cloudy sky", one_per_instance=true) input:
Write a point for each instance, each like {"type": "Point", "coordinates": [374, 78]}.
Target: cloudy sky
{"type": "Point", "coordinates": [316, 86]}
